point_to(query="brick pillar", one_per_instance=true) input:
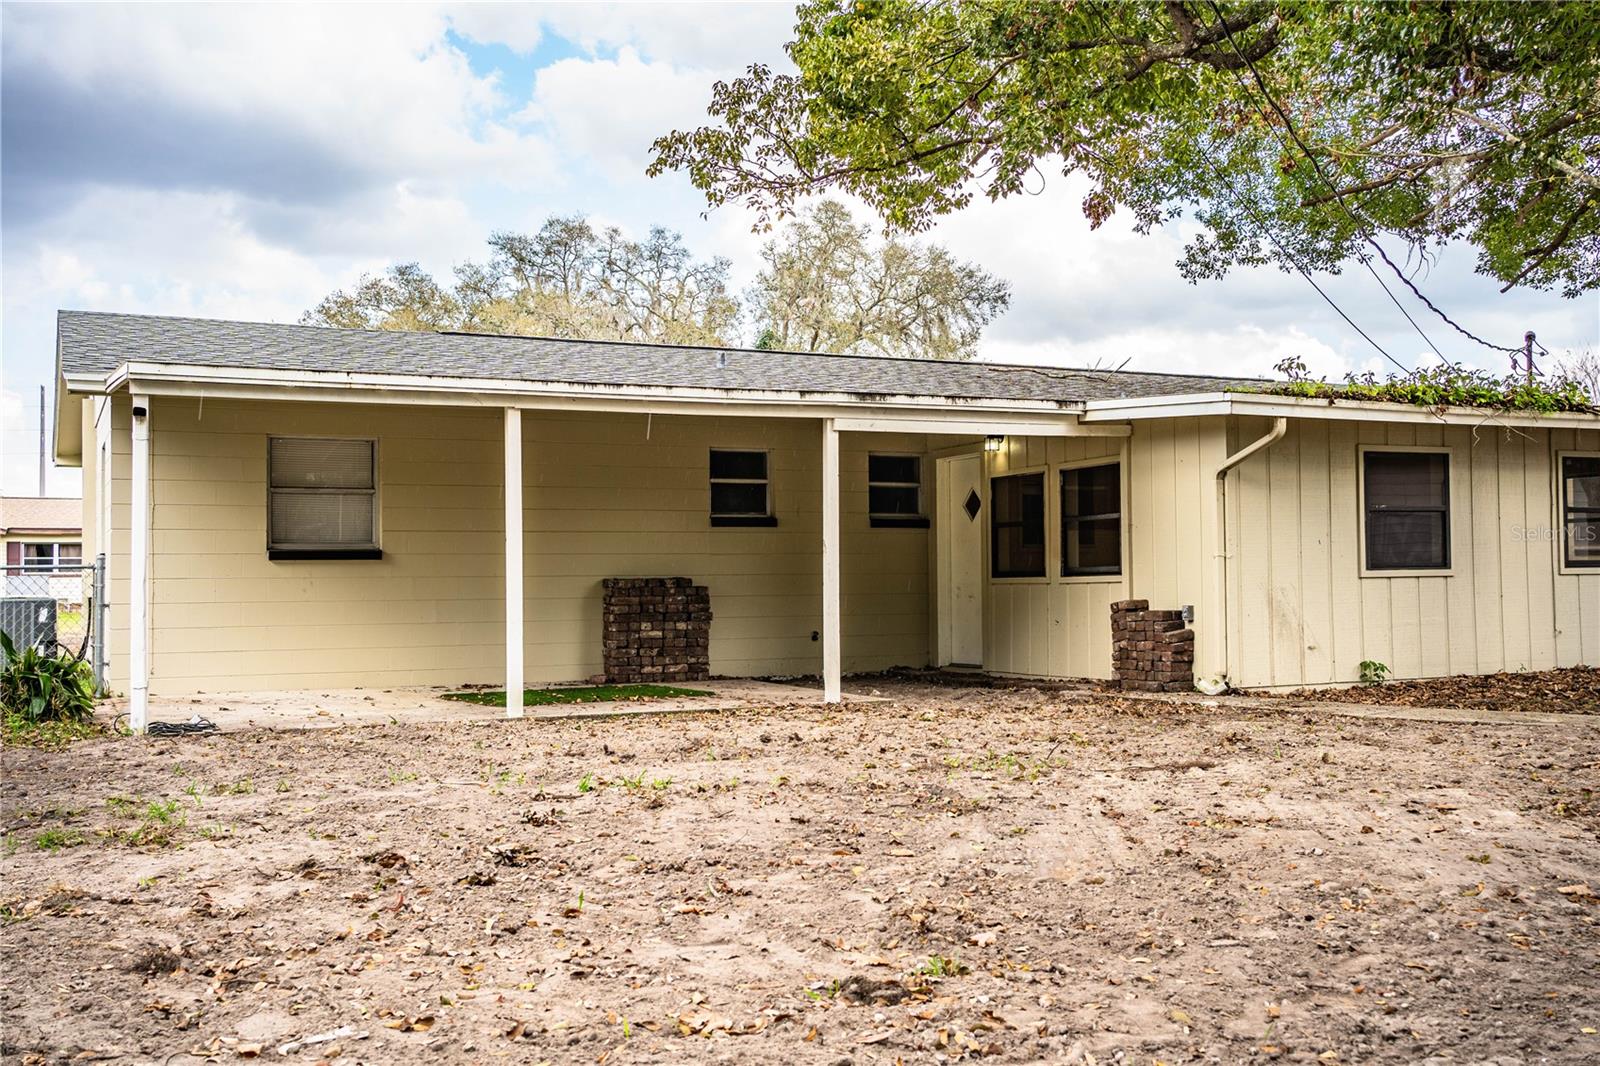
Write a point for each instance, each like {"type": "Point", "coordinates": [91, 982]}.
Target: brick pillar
{"type": "Point", "coordinates": [1151, 651]}
{"type": "Point", "coordinates": [656, 630]}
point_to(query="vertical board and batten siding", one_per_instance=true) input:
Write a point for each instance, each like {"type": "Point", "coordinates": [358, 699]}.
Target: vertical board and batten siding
{"type": "Point", "coordinates": [1303, 614]}
{"type": "Point", "coordinates": [1058, 626]}
{"type": "Point", "coordinates": [604, 496]}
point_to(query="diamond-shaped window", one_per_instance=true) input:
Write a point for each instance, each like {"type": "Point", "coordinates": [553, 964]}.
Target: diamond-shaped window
{"type": "Point", "coordinates": [973, 505]}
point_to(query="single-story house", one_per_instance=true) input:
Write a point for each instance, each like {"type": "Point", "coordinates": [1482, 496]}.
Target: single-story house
{"type": "Point", "coordinates": [42, 536]}
{"type": "Point", "coordinates": [288, 506]}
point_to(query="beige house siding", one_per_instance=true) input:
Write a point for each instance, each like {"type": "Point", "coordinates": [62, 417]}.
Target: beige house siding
{"type": "Point", "coordinates": [1304, 614]}
{"type": "Point", "coordinates": [1058, 626]}
{"type": "Point", "coordinates": [605, 496]}
{"type": "Point", "coordinates": [627, 495]}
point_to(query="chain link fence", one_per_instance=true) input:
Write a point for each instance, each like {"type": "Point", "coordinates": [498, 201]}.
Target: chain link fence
{"type": "Point", "coordinates": [57, 608]}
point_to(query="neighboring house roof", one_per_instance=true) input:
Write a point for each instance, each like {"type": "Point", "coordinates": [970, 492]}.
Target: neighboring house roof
{"type": "Point", "coordinates": [23, 515]}
{"type": "Point", "coordinates": [94, 344]}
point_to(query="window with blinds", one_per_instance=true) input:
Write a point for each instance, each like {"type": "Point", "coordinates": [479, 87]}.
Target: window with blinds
{"type": "Point", "coordinates": [1407, 498]}
{"type": "Point", "coordinates": [1580, 510]}
{"type": "Point", "coordinates": [322, 495]}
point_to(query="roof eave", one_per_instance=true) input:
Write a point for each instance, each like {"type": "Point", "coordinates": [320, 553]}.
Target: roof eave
{"type": "Point", "coordinates": [1267, 405]}
{"type": "Point", "coordinates": [169, 378]}
{"type": "Point", "coordinates": [66, 443]}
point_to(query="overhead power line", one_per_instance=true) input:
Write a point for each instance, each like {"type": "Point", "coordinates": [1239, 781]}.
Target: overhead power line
{"type": "Point", "coordinates": [1338, 196]}
{"type": "Point", "coordinates": [1223, 180]}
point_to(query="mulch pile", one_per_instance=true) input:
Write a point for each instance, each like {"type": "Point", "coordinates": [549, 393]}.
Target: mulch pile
{"type": "Point", "coordinates": [1573, 690]}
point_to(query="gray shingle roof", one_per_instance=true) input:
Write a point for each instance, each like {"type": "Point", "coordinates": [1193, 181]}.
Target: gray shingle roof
{"type": "Point", "coordinates": [95, 343]}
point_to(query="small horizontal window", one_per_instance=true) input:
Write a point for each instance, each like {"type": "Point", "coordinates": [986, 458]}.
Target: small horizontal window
{"type": "Point", "coordinates": [322, 496]}
{"type": "Point", "coordinates": [894, 489]}
{"type": "Point", "coordinates": [1016, 525]}
{"type": "Point", "coordinates": [1407, 498]}
{"type": "Point", "coordinates": [1091, 520]}
{"type": "Point", "coordinates": [739, 488]}
{"type": "Point", "coordinates": [1580, 510]}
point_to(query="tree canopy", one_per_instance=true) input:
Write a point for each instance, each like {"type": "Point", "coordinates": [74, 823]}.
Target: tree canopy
{"type": "Point", "coordinates": [566, 280]}
{"type": "Point", "coordinates": [1296, 132]}
{"type": "Point", "coordinates": [825, 286]}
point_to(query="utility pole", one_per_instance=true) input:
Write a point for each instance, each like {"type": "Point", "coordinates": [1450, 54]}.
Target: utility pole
{"type": "Point", "coordinates": [41, 440]}
{"type": "Point", "coordinates": [1527, 353]}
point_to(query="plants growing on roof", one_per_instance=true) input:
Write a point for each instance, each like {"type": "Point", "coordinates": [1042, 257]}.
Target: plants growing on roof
{"type": "Point", "coordinates": [1437, 386]}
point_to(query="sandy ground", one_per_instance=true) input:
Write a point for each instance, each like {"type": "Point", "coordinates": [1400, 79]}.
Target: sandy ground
{"type": "Point", "coordinates": [1017, 875]}
{"type": "Point", "coordinates": [328, 709]}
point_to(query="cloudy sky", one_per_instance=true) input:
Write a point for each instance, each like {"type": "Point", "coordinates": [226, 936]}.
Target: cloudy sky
{"type": "Point", "coordinates": [241, 162]}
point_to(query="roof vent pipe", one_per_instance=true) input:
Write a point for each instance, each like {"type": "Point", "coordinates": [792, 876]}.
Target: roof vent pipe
{"type": "Point", "coordinates": [722, 360]}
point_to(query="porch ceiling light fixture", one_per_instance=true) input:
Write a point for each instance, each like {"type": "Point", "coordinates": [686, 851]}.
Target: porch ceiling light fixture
{"type": "Point", "coordinates": [993, 443]}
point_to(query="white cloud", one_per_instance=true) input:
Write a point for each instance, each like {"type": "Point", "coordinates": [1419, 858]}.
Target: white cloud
{"type": "Point", "coordinates": [305, 103]}
{"type": "Point", "coordinates": [712, 35]}
{"type": "Point", "coordinates": [604, 113]}
{"type": "Point", "coordinates": [520, 27]}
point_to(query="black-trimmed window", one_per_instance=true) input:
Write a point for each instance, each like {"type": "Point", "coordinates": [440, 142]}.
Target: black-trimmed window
{"type": "Point", "coordinates": [739, 489]}
{"type": "Point", "coordinates": [1091, 520]}
{"type": "Point", "coordinates": [1016, 525]}
{"type": "Point", "coordinates": [1407, 497]}
{"type": "Point", "coordinates": [894, 491]}
{"type": "Point", "coordinates": [1580, 510]}
{"type": "Point", "coordinates": [322, 498]}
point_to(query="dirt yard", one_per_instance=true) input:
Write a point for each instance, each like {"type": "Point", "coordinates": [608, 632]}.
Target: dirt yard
{"type": "Point", "coordinates": [958, 874]}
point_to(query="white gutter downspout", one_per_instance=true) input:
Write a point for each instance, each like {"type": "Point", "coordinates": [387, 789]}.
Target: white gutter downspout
{"type": "Point", "coordinates": [1280, 426]}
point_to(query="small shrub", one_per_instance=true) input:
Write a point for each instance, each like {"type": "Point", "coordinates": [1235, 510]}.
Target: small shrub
{"type": "Point", "coordinates": [36, 688]}
{"type": "Point", "coordinates": [1373, 672]}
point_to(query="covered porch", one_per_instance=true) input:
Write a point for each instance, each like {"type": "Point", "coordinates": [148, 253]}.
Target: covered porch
{"type": "Point", "coordinates": [494, 525]}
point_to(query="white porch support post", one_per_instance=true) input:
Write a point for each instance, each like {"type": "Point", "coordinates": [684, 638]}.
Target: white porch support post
{"type": "Point", "coordinates": [514, 673]}
{"type": "Point", "coordinates": [139, 570]}
{"type": "Point", "coordinates": [831, 681]}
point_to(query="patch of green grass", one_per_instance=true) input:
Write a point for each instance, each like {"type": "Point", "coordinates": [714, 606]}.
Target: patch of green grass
{"type": "Point", "coordinates": [943, 966]}
{"type": "Point", "coordinates": [56, 839]}
{"type": "Point", "coordinates": [542, 697]}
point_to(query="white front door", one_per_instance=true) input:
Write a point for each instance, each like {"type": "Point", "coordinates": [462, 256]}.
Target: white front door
{"type": "Point", "coordinates": [960, 550]}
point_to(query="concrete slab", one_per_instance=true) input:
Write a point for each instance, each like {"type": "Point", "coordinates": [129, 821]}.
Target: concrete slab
{"type": "Point", "coordinates": [335, 708]}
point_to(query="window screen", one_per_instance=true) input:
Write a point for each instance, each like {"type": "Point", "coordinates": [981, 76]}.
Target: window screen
{"type": "Point", "coordinates": [894, 486]}
{"type": "Point", "coordinates": [1580, 509]}
{"type": "Point", "coordinates": [1408, 510]}
{"type": "Point", "coordinates": [1091, 520]}
{"type": "Point", "coordinates": [738, 484]}
{"type": "Point", "coordinates": [1016, 525]}
{"type": "Point", "coordinates": [322, 493]}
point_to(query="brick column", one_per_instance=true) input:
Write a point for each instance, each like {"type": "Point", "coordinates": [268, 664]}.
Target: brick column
{"type": "Point", "coordinates": [1151, 651]}
{"type": "Point", "coordinates": [657, 630]}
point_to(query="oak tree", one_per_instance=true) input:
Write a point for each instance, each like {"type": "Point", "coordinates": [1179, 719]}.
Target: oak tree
{"type": "Point", "coordinates": [1294, 132]}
